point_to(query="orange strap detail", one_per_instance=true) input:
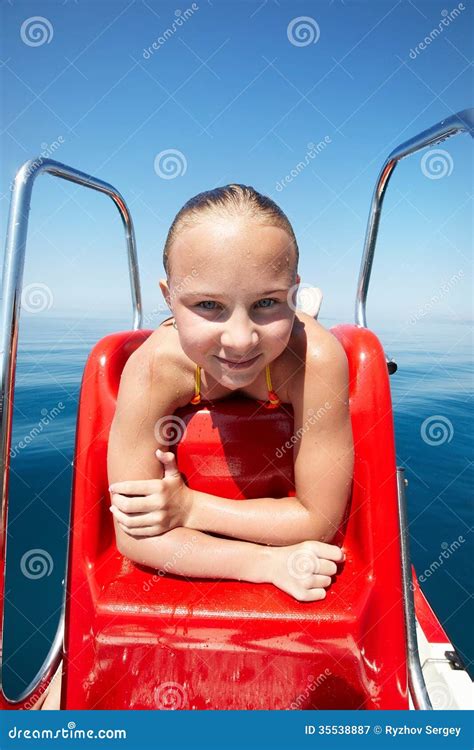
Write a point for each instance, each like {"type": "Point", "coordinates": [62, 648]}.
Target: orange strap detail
{"type": "Point", "coordinates": [273, 399]}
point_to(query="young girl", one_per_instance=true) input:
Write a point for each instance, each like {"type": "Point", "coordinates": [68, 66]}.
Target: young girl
{"type": "Point", "coordinates": [231, 265]}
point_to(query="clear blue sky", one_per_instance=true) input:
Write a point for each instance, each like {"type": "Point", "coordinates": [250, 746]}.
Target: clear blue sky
{"type": "Point", "coordinates": [241, 102]}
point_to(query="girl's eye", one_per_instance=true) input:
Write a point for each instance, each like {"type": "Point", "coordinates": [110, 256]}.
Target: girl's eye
{"type": "Point", "coordinates": [265, 303]}
{"type": "Point", "coordinates": [269, 299]}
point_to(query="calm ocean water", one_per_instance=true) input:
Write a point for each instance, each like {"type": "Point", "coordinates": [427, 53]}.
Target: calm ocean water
{"type": "Point", "coordinates": [432, 394]}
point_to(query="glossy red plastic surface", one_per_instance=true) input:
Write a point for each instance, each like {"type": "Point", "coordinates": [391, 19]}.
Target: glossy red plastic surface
{"type": "Point", "coordinates": [136, 639]}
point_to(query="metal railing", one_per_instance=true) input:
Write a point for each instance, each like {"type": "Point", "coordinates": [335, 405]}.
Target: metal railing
{"type": "Point", "coordinates": [13, 267]}
{"type": "Point", "coordinates": [462, 122]}
{"type": "Point", "coordinates": [416, 681]}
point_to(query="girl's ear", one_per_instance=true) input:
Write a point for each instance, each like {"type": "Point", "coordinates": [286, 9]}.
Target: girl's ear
{"type": "Point", "coordinates": [165, 291]}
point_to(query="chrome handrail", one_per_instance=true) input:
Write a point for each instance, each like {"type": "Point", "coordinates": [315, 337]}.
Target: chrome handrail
{"type": "Point", "coordinates": [462, 122]}
{"type": "Point", "coordinates": [416, 681]}
{"type": "Point", "coordinates": [12, 283]}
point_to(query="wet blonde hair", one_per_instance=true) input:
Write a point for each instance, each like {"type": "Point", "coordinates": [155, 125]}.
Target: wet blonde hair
{"type": "Point", "coordinates": [229, 200]}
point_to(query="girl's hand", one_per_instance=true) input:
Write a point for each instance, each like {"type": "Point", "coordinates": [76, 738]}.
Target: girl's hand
{"type": "Point", "coordinates": [150, 507]}
{"type": "Point", "coordinates": [304, 570]}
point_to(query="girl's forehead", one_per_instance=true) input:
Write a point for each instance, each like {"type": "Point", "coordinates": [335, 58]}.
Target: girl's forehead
{"type": "Point", "coordinates": [237, 230]}
{"type": "Point", "coordinates": [232, 243]}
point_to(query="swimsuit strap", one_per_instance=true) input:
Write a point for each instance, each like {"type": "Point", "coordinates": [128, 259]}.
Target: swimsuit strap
{"type": "Point", "coordinates": [273, 399]}
{"type": "Point", "coordinates": [197, 386]}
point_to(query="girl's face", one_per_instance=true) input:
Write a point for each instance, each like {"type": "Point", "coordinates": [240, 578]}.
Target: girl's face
{"type": "Point", "coordinates": [228, 291]}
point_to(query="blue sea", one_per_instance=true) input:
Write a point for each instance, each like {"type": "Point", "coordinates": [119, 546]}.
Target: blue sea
{"type": "Point", "coordinates": [432, 393]}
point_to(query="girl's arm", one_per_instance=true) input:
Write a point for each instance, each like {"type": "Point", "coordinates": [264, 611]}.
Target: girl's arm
{"type": "Point", "coordinates": [190, 553]}
{"type": "Point", "coordinates": [182, 551]}
{"type": "Point", "coordinates": [301, 570]}
{"type": "Point", "coordinates": [324, 459]}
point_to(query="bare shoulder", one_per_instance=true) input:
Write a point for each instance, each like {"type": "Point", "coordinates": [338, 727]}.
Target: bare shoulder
{"type": "Point", "coordinates": [160, 369]}
{"type": "Point", "coordinates": [320, 354]}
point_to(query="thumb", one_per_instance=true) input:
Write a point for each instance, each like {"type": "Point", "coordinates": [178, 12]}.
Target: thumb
{"type": "Point", "coordinates": [168, 460]}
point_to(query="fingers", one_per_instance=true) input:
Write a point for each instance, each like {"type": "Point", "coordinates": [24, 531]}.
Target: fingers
{"type": "Point", "coordinates": [327, 568]}
{"type": "Point", "coordinates": [330, 551]}
{"type": "Point", "coordinates": [136, 487]}
{"type": "Point", "coordinates": [132, 505]}
{"type": "Point", "coordinates": [319, 581]}
{"type": "Point", "coordinates": [136, 520]}
{"type": "Point", "coordinates": [143, 531]}
{"type": "Point", "coordinates": [312, 595]}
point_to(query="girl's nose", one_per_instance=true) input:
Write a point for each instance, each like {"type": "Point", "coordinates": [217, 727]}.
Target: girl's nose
{"type": "Point", "coordinates": [240, 338]}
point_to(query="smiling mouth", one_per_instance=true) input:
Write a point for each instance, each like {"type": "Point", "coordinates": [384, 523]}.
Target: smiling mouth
{"type": "Point", "coordinates": [241, 363]}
